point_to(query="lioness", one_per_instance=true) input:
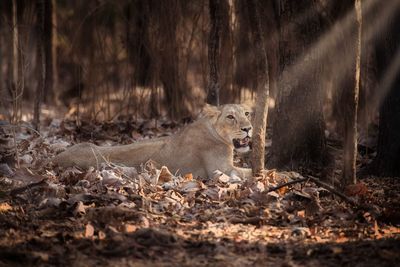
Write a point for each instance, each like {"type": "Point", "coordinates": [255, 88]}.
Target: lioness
{"type": "Point", "coordinates": [200, 148]}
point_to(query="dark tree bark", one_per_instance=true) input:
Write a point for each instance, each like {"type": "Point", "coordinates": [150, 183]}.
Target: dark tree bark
{"type": "Point", "coordinates": [269, 13]}
{"type": "Point", "coordinates": [226, 55]}
{"type": "Point", "coordinates": [54, 70]}
{"type": "Point", "coordinates": [48, 93]}
{"type": "Point", "coordinates": [174, 84]}
{"type": "Point", "coordinates": [14, 66]}
{"type": "Point", "coordinates": [137, 13]}
{"type": "Point", "coordinates": [41, 60]}
{"type": "Point", "coordinates": [298, 135]}
{"type": "Point", "coordinates": [245, 73]}
{"type": "Point", "coordinates": [261, 113]}
{"type": "Point", "coordinates": [214, 51]}
{"type": "Point", "coordinates": [387, 161]}
{"type": "Point", "coordinates": [2, 92]}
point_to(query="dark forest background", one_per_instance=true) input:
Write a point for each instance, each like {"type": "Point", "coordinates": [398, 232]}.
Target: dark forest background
{"type": "Point", "coordinates": [332, 67]}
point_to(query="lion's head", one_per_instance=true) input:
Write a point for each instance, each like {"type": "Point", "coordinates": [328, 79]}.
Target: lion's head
{"type": "Point", "coordinates": [232, 123]}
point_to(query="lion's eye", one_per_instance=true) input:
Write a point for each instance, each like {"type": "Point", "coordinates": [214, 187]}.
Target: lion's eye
{"type": "Point", "coordinates": [247, 113]}
{"type": "Point", "coordinates": [230, 117]}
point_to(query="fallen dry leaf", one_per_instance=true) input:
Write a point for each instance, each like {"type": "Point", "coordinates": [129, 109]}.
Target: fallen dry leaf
{"type": "Point", "coordinates": [188, 176]}
{"type": "Point", "coordinates": [42, 255]}
{"type": "Point", "coordinates": [150, 216]}
{"type": "Point", "coordinates": [89, 230]}
{"type": "Point", "coordinates": [129, 228]}
{"type": "Point", "coordinates": [4, 207]}
{"type": "Point", "coordinates": [359, 189]}
{"type": "Point", "coordinates": [165, 175]}
{"type": "Point", "coordinates": [79, 209]}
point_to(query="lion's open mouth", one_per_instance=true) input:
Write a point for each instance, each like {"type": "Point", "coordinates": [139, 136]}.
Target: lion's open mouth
{"type": "Point", "coordinates": [240, 143]}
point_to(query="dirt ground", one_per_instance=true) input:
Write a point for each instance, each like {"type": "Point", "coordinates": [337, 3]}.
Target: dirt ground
{"type": "Point", "coordinates": [120, 216]}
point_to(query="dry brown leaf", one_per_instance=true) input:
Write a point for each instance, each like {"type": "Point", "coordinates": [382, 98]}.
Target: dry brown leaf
{"type": "Point", "coordinates": [219, 176]}
{"type": "Point", "coordinates": [165, 175]}
{"type": "Point", "coordinates": [337, 250]}
{"type": "Point", "coordinates": [313, 230]}
{"type": "Point", "coordinates": [359, 189]}
{"type": "Point", "coordinates": [89, 230]}
{"type": "Point", "coordinates": [79, 209]}
{"type": "Point", "coordinates": [191, 186]}
{"type": "Point", "coordinates": [391, 230]}
{"type": "Point", "coordinates": [188, 176]}
{"type": "Point", "coordinates": [42, 255]}
{"type": "Point", "coordinates": [129, 228]}
{"type": "Point", "coordinates": [5, 207]}
{"type": "Point", "coordinates": [211, 193]}
{"type": "Point", "coordinates": [102, 235]}
{"type": "Point", "coordinates": [301, 213]}
{"type": "Point", "coordinates": [283, 190]}
{"type": "Point", "coordinates": [376, 230]}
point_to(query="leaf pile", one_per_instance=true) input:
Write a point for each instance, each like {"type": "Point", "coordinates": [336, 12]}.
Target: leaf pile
{"type": "Point", "coordinates": [119, 215]}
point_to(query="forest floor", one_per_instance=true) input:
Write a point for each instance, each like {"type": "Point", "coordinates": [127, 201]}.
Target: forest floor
{"type": "Point", "coordinates": [120, 216]}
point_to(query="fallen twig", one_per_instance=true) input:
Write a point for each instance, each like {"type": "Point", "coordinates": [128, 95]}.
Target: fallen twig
{"type": "Point", "coordinates": [333, 190]}
{"type": "Point", "coordinates": [319, 183]}
{"type": "Point", "coordinates": [287, 184]}
{"type": "Point", "coordinates": [330, 189]}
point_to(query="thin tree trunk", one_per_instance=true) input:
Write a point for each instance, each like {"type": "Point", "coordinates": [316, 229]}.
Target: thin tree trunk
{"type": "Point", "coordinates": [225, 57]}
{"type": "Point", "coordinates": [214, 51]}
{"type": "Point", "coordinates": [351, 104]}
{"type": "Point", "coordinates": [48, 93]}
{"type": "Point", "coordinates": [2, 93]}
{"type": "Point", "coordinates": [261, 113]}
{"type": "Point", "coordinates": [15, 68]}
{"type": "Point", "coordinates": [54, 44]}
{"type": "Point", "coordinates": [41, 60]}
{"type": "Point", "coordinates": [271, 29]}
{"type": "Point", "coordinates": [245, 70]}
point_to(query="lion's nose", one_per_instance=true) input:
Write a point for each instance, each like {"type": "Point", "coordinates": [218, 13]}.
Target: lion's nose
{"type": "Point", "coordinates": [247, 129]}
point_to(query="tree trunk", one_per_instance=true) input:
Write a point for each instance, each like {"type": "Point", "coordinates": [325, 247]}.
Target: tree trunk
{"type": "Point", "coordinates": [387, 161]}
{"type": "Point", "coordinates": [2, 92]}
{"type": "Point", "coordinates": [48, 93]}
{"type": "Point", "coordinates": [298, 135]}
{"type": "Point", "coordinates": [349, 97]}
{"type": "Point", "coordinates": [261, 113]}
{"type": "Point", "coordinates": [245, 70]}
{"type": "Point", "coordinates": [174, 84]}
{"type": "Point", "coordinates": [41, 60]}
{"type": "Point", "coordinates": [54, 44]}
{"type": "Point", "coordinates": [14, 62]}
{"type": "Point", "coordinates": [138, 19]}
{"type": "Point", "coordinates": [269, 13]}
{"type": "Point", "coordinates": [226, 51]}
{"type": "Point", "coordinates": [213, 52]}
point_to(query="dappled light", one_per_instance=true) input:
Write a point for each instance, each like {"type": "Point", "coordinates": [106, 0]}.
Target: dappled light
{"type": "Point", "coordinates": [199, 133]}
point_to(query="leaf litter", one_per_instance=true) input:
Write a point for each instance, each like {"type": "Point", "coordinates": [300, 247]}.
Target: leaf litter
{"type": "Point", "coordinates": [119, 215]}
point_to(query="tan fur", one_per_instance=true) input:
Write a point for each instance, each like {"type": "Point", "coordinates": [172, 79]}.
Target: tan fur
{"type": "Point", "coordinates": [200, 148]}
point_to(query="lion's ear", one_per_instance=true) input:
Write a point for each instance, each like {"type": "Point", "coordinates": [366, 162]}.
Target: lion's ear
{"type": "Point", "coordinates": [210, 111]}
